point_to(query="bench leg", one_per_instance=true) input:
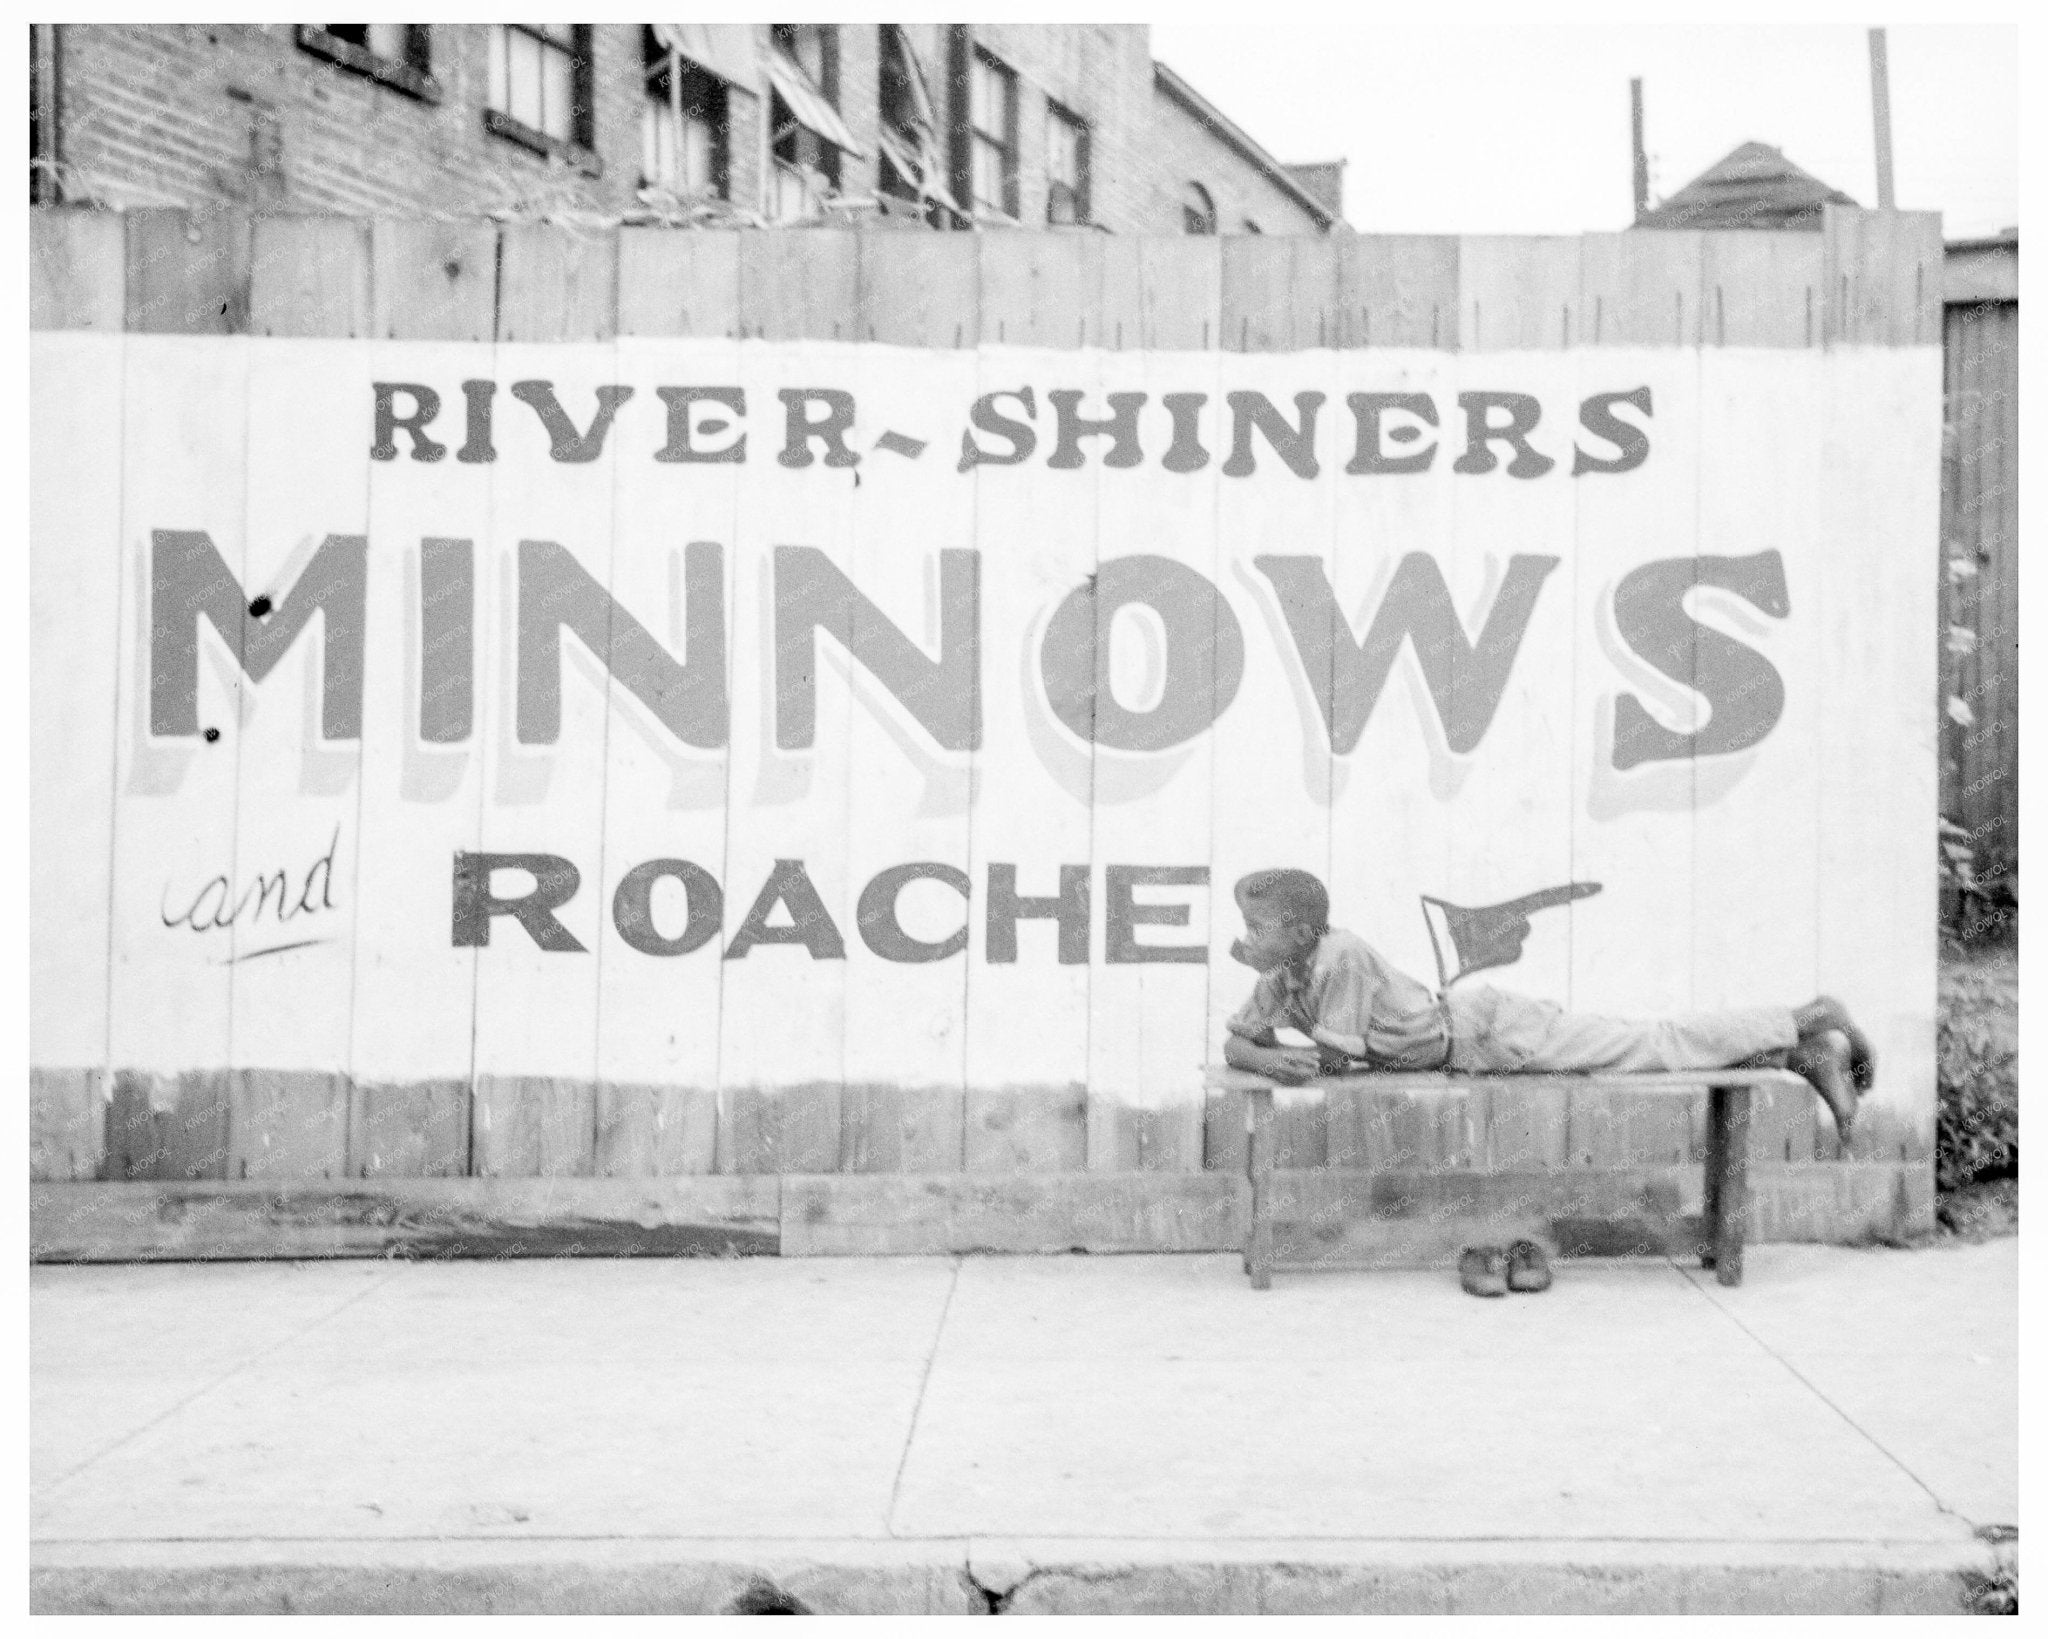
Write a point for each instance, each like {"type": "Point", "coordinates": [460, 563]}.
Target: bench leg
{"type": "Point", "coordinates": [1727, 1183]}
{"type": "Point", "coordinates": [1258, 1250]}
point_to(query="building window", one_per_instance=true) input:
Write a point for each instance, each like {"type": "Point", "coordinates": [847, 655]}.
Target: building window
{"type": "Point", "coordinates": [399, 55]}
{"type": "Point", "coordinates": [540, 75]}
{"type": "Point", "coordinates": [1066, 167]}
{"type": "Point", "coordinates": [1252, 226]}
{"type": "Point", "coordinates": [1197, 209]}
{"type": "Point", "coordinates": [684, 130]}
{"type": "Point", "coordinates": [992, 136]}
{"type": "Point", "coordinates": [806, 163]}
{"type": "Point", "coordinates": [912, 168]}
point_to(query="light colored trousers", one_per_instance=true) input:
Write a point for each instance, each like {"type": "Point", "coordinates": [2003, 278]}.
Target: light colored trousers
{"type": "Point", "coordinates": [1498, 1031]}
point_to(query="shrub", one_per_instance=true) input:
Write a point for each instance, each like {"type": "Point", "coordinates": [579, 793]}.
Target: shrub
{"type": "Point", "coordinates": [1977, 1126]}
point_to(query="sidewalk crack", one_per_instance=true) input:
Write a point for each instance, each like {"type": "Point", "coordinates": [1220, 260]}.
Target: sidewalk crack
{"type": "Point", "coordinates": [1821, 1395]}
{"type": "Point", "coordinates": [917, 1410]}
{"type": "Point", "coordinates": [208, 1387]}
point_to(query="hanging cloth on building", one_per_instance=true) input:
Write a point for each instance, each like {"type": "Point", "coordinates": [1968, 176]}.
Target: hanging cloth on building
{"type": "Point", "coordinates": [913, 146]}
{"type": "Point", "coordinates": [807, 105]}
{"type": "Point", "coordinates": [725, 50]}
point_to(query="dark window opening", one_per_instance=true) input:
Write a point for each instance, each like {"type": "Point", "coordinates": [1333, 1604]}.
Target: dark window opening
{"type": "Point", "coordinates": [1197, 209]}
{"type": "Point", "coordinates": [685, 127]}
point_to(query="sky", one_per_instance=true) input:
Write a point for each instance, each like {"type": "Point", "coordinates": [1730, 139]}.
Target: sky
{"type": "Point", "coordinates": [1489, 128]}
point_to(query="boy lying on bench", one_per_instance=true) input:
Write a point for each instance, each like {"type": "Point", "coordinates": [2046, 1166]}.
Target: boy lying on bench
{"type": "Point", "coordinates": [1362, 1013]}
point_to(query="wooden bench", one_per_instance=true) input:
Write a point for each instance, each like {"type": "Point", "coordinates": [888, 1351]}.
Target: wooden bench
{"type": "Point", "coordinates": [1727, 1141]}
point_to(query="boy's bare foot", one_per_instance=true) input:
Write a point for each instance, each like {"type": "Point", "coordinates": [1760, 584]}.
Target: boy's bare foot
{"type": "Point", "coordinates": [1483, 1271]}
{"type": "Point", "coordinates": [1528, 1268]}
{"type": "Point", "coordinates": [1824, 1062]}
{"type": "Point", "coordinates": [1824, 1013]}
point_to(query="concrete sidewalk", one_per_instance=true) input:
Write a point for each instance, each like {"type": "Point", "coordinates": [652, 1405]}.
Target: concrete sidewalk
{"type": "Point", "coordinates": [1023, 1434]}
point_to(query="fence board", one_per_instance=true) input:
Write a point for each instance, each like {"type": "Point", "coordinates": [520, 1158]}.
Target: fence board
{"type": "Point", "coordinates": [1761, 289]}
{"type": "Point", "coordinates": [433, 698]}
{"type": "Point", "coordinates": [433, 281]}
{"type": "Point", "coordinates": [76, 578]}
{"type": "Point", "coordinates": [673, 544]}
{"type": "Point", "coordinates": [67, 1123]}
{"type": "Point", "coordinates": [1874, 693]}
{"type": "Point", "coordinates": [557, 283]}
{"type": "Point", "coordinates": [675, 283]}
{"type": "Point", "coordinates": [799, 286]}
{"type": "Point", "coordinates": [919, 289]}
{"type": "Point", "coordinates": [310, 276]}
{"type": "Point", "coordinates": [1398, 290]}
{"type": "Point", "coordinates": [1518, 291]}
{"type": "Point", "coordinates": [1041, 290]}
{"type": "Point", "coordinates": [1279, 294]}
{"type": "Point", "coordinates": [298, 791]}
{"type": "Point", "coordinates": [77, 271]}
{"type": "Point", "coordinates": [537, 1008]}
{"type": "Point", "coordinates": [188, 272]}
{"type": "Point", "coordinates": [1639, 289]}
{"type": "Point", "coordinates": [1883, 276]}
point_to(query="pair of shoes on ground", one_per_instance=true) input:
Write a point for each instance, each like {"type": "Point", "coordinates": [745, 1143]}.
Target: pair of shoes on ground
{"type": "Point", "coordinates": [1489, 1272]}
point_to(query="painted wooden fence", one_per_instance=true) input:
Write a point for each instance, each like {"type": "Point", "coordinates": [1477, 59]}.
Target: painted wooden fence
{"type": "Point", "coordinates": [1755, 420]}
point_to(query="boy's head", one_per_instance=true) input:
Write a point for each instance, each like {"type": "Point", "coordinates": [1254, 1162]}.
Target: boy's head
{"type": "Point", "coordinates": [1285, 913]}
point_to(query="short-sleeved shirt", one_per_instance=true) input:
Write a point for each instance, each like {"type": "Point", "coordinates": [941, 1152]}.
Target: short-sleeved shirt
{"type": "Point", "coordinates": [1351, 991]}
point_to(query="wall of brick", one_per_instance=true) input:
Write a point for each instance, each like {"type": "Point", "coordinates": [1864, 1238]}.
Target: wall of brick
{"type": "Point", "coordinates": [1179, 149]}
{"type": "Point", "coordinates": [241, 114]}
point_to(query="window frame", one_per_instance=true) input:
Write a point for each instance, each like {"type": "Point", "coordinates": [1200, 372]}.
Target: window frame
{"type": "Point", "coordinates": [1009, 210]}
{"type": "Point", "coordinates": [712, 94]}
{"type": "Point", "coordinates": [579, 150]}
{"type": "Point", "coordinates": [1057, 115]}
{"type": "Point", "coordinates": [1212, 223]}
{"type": "Point", "coordinates": [805, 145]}
{"type": "Point", "coordinates": [413, 74]}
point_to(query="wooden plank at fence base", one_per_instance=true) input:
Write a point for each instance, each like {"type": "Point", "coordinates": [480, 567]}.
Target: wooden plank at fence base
{"type": "Point", "coordinates": [1398, 290]}
{"type": "Point", "coordinates": [67, 1123]}
{"type": "Point", "coordinates": [678, 284]}
{"type": "Point", "coordinates": [703, 1217]}
{"type": "Point", "coordinates": [718, 1216]}
{"type": "Point", "coordinates": [1027, 1129]}
{"type": "Point", "coordinates": [416, 1129]}
{"type": "Point", "coordinates": [433, 281]}
{"type": "Point", "coordinates": [287, 1124]}
{"type": "Point", "coordinates": [168, 1126]}
{"type": "Point", "coordinates": [1086, 1212]}
{"type": "Point", "coordinates": [887, 1128]}
{"type": "Point", "coordinates": [532, 1127]}
{"type": "Point", "coordinates": [557, 283]}
{"type": "Point", "coordinates": [310, 276]}
{"type": "Point", "coordinates": [78, 270]}
{"type": "Point", "coordinates": [794, 1128]}
{"type": "Point", "coordinates": [654, 1132]}
{"type": "Point", "coordinates": [188, 272]}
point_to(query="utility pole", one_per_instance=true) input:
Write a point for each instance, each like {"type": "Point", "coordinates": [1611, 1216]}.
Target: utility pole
{"type": "Point", "coordinates": [1881, 114]}
{"type": "Point", "coordinates": [1642, 159]}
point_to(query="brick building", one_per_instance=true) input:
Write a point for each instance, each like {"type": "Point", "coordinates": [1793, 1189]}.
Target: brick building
{"type": "Point", "coordinates": [949, 125]}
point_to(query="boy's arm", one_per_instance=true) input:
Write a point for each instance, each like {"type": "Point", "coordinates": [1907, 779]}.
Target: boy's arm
{"type": "Point", "coordinates": [1258, 1050]}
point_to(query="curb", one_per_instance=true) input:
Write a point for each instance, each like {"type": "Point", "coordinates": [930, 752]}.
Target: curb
{"type": "Point", "coordinates": [956, 1576]}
